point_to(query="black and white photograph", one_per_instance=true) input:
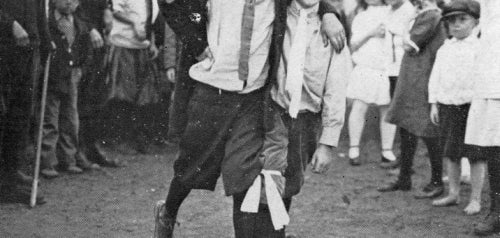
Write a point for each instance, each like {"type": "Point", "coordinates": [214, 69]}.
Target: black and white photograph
{"type": "Point", "coordinates": [249, 118]}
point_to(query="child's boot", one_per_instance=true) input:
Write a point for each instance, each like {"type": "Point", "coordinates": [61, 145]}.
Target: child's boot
{"type": "Point", "coordinates": [491, 223]}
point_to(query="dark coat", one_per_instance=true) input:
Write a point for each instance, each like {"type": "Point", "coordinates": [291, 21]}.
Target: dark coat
{"type": "Point", "coordinates": [30, 14]}
{"type": "Point", "coordinates": [92, 12]}
{"type": "Point", "coordinates": [409, 108]}
{"type": "Point", "coordinates": [67, 57]}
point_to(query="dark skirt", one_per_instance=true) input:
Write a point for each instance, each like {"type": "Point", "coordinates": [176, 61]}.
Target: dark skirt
{"type": "Point", "coordinates": [483, 153]}
{"type": "Point", "coordinates": [132, 76]}
{"type": "Point", "coordinates": [452, 122]}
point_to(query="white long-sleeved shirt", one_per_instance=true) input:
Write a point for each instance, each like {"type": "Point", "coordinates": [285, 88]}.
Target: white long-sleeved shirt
{"type": "Point", "coordinates": [325, 78]}
{"type": "Point", "coordinates": [123, 34]}
{"type": "Point", "coordinates": [452, 78]}
{"type": "Point", "coordinates": [224, 34]}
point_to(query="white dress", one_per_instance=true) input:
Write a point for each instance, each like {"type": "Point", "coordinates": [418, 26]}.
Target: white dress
{"type": "Point", "coordinates": [483, 123]}
{"type": "Point", "coordinates": [369, 81]}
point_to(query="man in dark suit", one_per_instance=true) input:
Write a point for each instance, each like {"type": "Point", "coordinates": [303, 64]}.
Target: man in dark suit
{"type": "Point", "coordinates": [23, 24]}
{"type": "Point", "coordinates": [92, 87]}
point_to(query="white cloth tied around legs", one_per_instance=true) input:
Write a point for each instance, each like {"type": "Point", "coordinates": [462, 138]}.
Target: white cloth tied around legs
{"type": "Point", "coordinates": [279, 215]}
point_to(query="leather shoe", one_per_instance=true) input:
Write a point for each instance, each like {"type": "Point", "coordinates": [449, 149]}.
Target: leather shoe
{"type": "Point", "coordinates": [390, 164]}
{"type": "Point", "coordinates": [22, 178]}
{"type": "Point", "coordinates": [164, 224]}
{"type": "Point", "coordinates": [355, 161]}
{"type": "Point", "coordinates": [395, 186]}
{"type": "Point", "coordinates": [49, 173]}
{"type": "Point", "coordinates": [99, 158]}
{"type": "Point", "coordinates": [432, 190]}
{"type": "Point", "coordinates": [19, 194]}
{"type": "Point", "coordinates": [489, 226]}
{"type": "Point", "coordinates": [73, 169]}
{"type": "Point", "coordinates": [84, 163]}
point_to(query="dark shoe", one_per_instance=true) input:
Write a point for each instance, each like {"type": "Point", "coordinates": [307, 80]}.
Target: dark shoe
{"type": "Point", "coordinates": [292, 235]}
{"type": "Point", "coordinates": [432, 190]}
{"type": "Point", "coordinates": [22, 178]}
{"type": "Point", "coordinates": [390, 164]}
{"type": "Point", "coordinates": [113, 163]}
{"type": "Point", "coordinates": [164, 224]}
{"type": "Point", "coordinates": [19, 194]}
{"type": "Point", "coordinates": [396, 171]}
{"type": "Point", "coordinates": [384, 159]}
{"type": "Point", "coordinates": [98, 157]}
{"type": "Point", "coordinates": [395, 186]}
{"type": "Point", "coordinates": [84, 163]}
{"type": "Point", "coordinates": [489, 226]}
{"type": "Point", "coordinates": [49, 173]}
{"type": "Point", "coordinates": [73, 169]}
{"type": "Point", "coordinates": [355, 161]}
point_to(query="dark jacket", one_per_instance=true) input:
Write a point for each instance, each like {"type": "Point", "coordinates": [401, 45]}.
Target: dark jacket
{"type": "Point", "coordinates": [65, 58]}
{"type": "Point", "coordinates": [410, 108]}
{"type": "Point", "coordinates": [92, 13]}
{"type": "Point", "coordinates": [30, 14]}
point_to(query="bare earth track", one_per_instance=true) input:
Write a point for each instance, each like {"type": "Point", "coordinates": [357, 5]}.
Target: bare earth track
{"type": "Point", "coordinates": [118, 203]}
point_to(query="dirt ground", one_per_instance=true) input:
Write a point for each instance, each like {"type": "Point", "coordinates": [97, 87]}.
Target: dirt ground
{"type": "Point", "coordinates": [119, 202]}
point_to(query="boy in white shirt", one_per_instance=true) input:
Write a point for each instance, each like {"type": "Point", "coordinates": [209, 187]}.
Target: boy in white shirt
{"type": "Point", "coordinates": [450, 94]}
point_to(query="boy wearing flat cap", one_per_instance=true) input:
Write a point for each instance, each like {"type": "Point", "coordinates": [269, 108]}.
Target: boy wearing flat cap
{"type": "Point", "coordinates": [450, 94]}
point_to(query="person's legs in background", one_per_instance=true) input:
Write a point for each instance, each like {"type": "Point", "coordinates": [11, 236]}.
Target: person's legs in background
{"type": "Point", "coordinates": [356, 125]}
{"type": "Point", "coordinates": [387, 134]}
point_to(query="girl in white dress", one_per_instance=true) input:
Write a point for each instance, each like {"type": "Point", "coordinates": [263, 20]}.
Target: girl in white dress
{"type": "Point", "coordinates": [483, 124]}
{"type": "Point", "coordinates": [369, 83]}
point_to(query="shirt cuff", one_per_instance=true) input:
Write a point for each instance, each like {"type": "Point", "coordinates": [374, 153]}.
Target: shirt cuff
{"type": "Point", "coordinates": [330, 136]}
{"type": "Point", "coordinates": [413, 45]}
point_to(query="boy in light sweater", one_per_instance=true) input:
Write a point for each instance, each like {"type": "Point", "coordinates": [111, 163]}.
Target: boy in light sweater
{"type": "Point", "coordinates": [307, 100]}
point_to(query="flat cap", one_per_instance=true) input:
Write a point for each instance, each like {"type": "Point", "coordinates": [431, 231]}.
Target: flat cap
{"type": "Point", "coordinates": [455, 7]}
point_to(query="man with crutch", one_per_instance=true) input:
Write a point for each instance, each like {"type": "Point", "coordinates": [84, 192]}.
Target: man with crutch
{"type": "Point", "coordinates": [22, 23]}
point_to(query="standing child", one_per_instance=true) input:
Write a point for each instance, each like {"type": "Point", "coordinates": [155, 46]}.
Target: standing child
{"type": "Point", "coordinates": [409, 109]}
{"type": "Point", "coordinates": [369, 83]}
{"type": "Point", "coordinates": [60, 126]}
{"type": "Point", "coordinates": [450, 93]}
{"type": "Point", "coordinates": [308, 100]}
{"type": "Point", "coordinates": [483, 124]}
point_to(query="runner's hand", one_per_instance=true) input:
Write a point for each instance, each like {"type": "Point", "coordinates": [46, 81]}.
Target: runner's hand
{"type": "Point", "coordinates": [322, 158]}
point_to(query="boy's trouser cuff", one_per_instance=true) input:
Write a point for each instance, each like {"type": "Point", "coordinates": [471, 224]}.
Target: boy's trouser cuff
{"type": "Point", "coordinates": [279, 214]}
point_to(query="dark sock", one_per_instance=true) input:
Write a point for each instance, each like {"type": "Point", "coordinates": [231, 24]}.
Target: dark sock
{"type": "Point", "coordinates": [494, 181]}
{"type": "Point", "coordinates": [435, 156]}
{"type": "Point", "coordinates": [288, 203]}
{"type": "Point", "coordinates": [176, 195]}
{"type": "Point", "coordinates": [408, 147]}
{"type": "Point", "coordinates": [253, 225]}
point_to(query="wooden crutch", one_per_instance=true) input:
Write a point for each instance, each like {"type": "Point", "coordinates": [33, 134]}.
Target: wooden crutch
{"type": "Point", "coordinates": [34, 188]}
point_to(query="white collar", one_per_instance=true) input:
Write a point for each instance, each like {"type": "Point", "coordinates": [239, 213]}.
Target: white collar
{"type": "Point", "coordinates": [295, 8]}
{"type": "Point", "coordinates": [470, 39]}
